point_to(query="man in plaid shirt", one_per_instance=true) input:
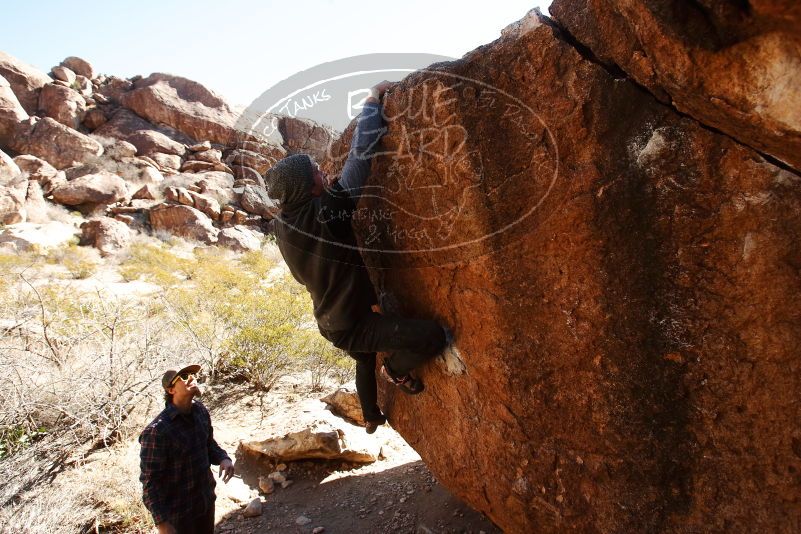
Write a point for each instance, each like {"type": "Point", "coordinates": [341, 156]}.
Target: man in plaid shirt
{"type": "Point", "coordinates": [178, 448]}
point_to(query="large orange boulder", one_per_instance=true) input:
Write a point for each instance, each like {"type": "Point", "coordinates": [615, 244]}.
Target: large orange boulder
{"type": "Point", "coordinates": [125, 125]}
{"type": "Point", "coordinates": [622, 284]}
{"type": "Point", "coordinates": [185, 105]}
{"type": "Point", "coordinates": [79, 66]}
{"type": "Point", "coordinates": [735, 66]}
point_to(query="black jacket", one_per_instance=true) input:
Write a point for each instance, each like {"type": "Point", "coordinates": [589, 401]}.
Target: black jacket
{"type": "Point", "coordinates": [318, 244]}
{"type": "Point", "coordinates": [317, 241]}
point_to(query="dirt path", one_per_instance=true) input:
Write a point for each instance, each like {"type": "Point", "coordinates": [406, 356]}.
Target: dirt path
{"type": "Point", "coordinates": [396, 494]}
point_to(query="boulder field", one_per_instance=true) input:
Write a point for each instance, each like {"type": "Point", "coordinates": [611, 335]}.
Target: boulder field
{"type": "Point", "coordinates": [156, 154]}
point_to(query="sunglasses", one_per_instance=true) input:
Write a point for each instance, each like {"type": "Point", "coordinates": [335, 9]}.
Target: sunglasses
{"type": "Point", "coordinates": [182, 376]}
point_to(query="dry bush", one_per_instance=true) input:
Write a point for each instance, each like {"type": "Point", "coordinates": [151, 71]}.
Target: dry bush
{"type": "Point", "coordinates": [101, 493]}
{"type": "Point", "coordinates": [80, 371]}
{"type": "Point", "coordinates": [80, 262]}
{"type": "Point", "coordinates": [324, 361]}
{"type": "Point", "coordinates": [77, 373]}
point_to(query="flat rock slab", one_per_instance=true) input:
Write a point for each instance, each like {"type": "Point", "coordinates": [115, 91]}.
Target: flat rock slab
{"type": "Point", "coordinates": [319, 435]}
{"type": "Point", "coordinates": [97, 188]}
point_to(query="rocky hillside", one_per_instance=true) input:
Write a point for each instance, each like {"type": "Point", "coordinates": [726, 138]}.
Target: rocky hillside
{"type": "Point", "coordinates": [605, 208]}
{"type": "Point", "coordinates": [152, 154]}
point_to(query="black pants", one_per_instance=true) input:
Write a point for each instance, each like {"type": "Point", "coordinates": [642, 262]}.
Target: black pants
{"type": "Point", "coordinates": [410, 342]}
{"type": "Point", "coordinates": [202, 524]}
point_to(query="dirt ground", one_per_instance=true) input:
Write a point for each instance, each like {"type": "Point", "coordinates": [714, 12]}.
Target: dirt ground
{"type": "Point", "coordinates": [396, 494]}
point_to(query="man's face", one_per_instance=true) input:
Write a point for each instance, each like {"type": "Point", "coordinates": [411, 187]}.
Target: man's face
{"type": "Point", "coordinates": [320, 180]}
{"type": "Point", "coordinates": [184, 388]}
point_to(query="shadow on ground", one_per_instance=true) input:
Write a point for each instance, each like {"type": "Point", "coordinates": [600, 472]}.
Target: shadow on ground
{"type": "Point", "coordinates": [342, 500]}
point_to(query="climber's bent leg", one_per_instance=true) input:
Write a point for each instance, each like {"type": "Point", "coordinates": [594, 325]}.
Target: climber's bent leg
{"type": "Point", "coordinates": [411, 342]}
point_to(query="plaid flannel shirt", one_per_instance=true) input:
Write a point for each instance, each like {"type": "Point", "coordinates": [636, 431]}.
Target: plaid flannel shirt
{"type": "Point", "coordinates": [177, 451]}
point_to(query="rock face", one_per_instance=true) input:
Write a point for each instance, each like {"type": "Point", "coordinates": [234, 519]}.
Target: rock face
{"type": "Point", "coordinates": [621, 282]}
{"type": "Point", "coordinates": [62, 104]}
{"type": "Point", "coordinates": [11, 113]}
{"type": "Point", "coordinates": [59, 145]}
{"type": "Point", "coordinates": [732, 65]}
{"type": "Point", "coordinates": [98, 188]}
{"type": "Point", "coordinates": [255, 200]}
{"type": "Point", "coordinates": [105, 234]}
{"type": "Point", "coordinates": [185, 105]}
{"type": "Point", "coordinates": [25, 80]}
{"type": "Point", "coordinates": [304, 136]}
{"type": "Point", "coordinates": [183, 221]}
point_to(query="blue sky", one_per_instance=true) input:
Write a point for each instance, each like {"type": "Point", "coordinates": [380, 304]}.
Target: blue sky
{"type": "Point", "coordinates": [240, 48]}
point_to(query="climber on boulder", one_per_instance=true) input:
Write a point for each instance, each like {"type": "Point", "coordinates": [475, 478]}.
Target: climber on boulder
{"type": "Point", "coordinates": [316, 239]}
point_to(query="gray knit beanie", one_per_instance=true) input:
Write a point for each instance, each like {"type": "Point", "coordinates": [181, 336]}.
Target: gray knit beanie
{"type": "Point", "coordinates": [290, 180]}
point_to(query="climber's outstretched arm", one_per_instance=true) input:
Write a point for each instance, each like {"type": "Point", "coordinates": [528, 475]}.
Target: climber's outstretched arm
{"type": "Point", "coordinates": [369, 129]}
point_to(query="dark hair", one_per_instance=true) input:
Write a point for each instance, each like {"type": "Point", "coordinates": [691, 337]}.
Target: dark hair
{"type": "Point", "coordinates": [167, 398]}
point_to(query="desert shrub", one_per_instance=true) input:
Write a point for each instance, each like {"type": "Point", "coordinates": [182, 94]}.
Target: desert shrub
{"type": "Point", "coordinates": [80, 262]}
{"type": "Point", "coordinates": [14, 438]}
{"type": "Point", "coordinates": [81, 363]}
{"type": "Point", "coordinates": [81, 369]}
{"type": "Point", "coordinates": [255, 327]}
{"type": "Point", "coordinates": [11, 265]}
{"type": "Point", "coordinates": [257, 263]}
{"type": "Point", "coordinates": [323, 360]}
{"type": "Point", "coordinates": [266, 339]}
{"type": "Point", "coordinates": [202, 309]}
{"type": "Point", "coordinates": [155, 263]}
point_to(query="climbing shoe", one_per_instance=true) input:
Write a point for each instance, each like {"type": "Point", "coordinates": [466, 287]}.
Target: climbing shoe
{"type": "Point", "coordinates": [406, 383]}
{"type": "Point", "coordinates": [372, 426]}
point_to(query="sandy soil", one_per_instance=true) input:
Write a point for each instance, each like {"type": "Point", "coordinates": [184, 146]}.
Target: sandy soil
{"type": "Point", "coordinates": [396, 494]}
